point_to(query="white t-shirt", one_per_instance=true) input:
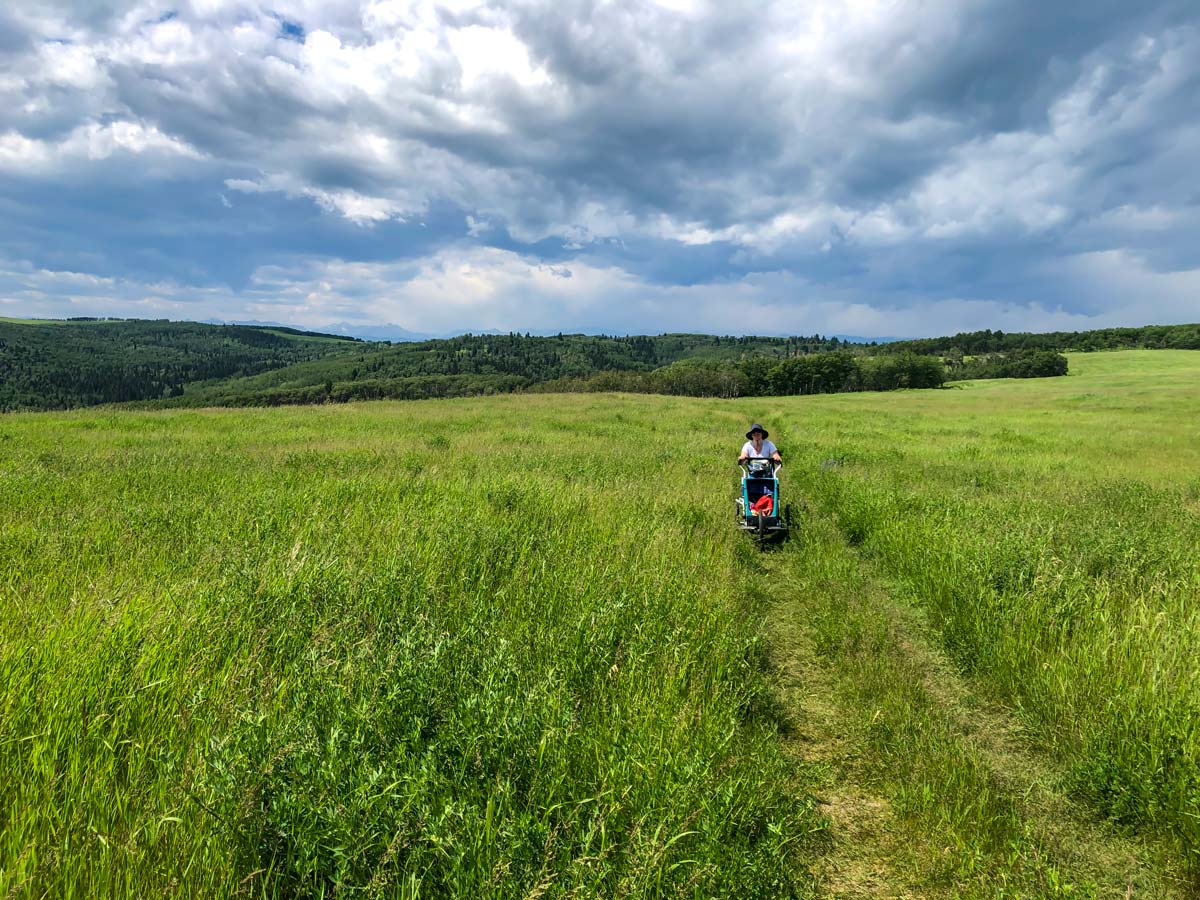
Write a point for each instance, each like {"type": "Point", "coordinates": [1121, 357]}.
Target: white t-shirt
{"type": "Point", "coordinates": [767, 449]}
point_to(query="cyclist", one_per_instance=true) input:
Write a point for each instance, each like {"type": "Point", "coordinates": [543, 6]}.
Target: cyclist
{"type": "Point", "coordinates": [757, 446]}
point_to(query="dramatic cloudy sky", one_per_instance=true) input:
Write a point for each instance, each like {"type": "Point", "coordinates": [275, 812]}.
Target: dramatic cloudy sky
{"type": "Point", "coordinates": [866, 167]}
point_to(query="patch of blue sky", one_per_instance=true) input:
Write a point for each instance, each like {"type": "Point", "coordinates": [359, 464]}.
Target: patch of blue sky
{"type": "Point", "coordinates": [290, 30]}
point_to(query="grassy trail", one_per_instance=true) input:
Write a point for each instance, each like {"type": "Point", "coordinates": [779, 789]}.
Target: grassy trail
{"type": "Point", "coordinates": [930, 791]}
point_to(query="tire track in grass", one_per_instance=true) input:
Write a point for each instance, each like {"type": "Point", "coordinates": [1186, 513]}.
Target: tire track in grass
{"type": "Point", "coordinates": [930, 791]}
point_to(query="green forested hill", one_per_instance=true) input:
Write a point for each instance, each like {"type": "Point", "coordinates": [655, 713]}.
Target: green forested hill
{"type": "Point", "coordinates": [480, 364]}
{"type": "Point", "coordinates": [61, 364]}
{"type": "Point", "coordinates": [684, 364]}
{"type": "Point", "coordinates": [56, 364]}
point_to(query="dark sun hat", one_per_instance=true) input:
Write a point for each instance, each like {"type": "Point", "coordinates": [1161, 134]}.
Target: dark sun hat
{"type": "Point", "coordinates": [756, 427]}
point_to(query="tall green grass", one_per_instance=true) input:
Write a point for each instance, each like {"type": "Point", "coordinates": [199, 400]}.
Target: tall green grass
{"type": "Point", "coordinates": [499, 648]}
{"type": "Point", "coordinates": [509, 647]}
{"type": "Point", "coordinates": [1050, 533]}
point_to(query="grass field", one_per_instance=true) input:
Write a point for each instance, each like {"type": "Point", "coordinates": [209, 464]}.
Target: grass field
{"type": "Point", "coordinates": [1002, 587]}
{"type": "Point", "coordinates": [464, 649]}
{"type": "Point", "coordinates": [511, 647]}
{"type": "Point", "coordinates": [1050, 532]}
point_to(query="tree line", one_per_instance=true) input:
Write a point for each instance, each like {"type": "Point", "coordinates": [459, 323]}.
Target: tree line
{"type": "Point", "coordinates": [818, 373]}
{"type": "Point", "coordinates": [58, 365]}
{"type": "Point", "coordinates": [1013, 364]}
{"type": "Point", "coordinates": [973, 343]}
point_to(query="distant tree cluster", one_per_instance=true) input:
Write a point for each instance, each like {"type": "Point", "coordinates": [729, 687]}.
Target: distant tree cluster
{"type": "Point", "coordinates": [1014, 364]}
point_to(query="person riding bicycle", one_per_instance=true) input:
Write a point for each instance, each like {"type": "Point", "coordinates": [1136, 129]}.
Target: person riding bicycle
{"type": "Point", "coordinates": [757, 446]}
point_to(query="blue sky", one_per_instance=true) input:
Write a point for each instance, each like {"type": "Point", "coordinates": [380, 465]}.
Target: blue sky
{"type": "Point", "coordinates": [858, 167]}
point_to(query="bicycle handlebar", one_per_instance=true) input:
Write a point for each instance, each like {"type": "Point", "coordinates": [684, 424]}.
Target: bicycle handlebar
{"type": "Point", "coordinates": [775, 464]}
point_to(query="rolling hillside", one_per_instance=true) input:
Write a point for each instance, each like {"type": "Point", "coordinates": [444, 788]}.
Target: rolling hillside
{"type": "Point", "coordinates": [53, 365]}
{"type": "Point", "coordinates": [56, 364]}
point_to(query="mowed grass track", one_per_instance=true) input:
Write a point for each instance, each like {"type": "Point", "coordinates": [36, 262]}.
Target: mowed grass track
{"type": "Point", "coordinates": [477, 648]}
{"type": "Point", "coordinates": [1048, 532]}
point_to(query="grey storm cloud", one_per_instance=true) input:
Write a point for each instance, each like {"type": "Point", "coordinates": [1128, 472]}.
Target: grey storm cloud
{"type": "Point", "coordinates": [904, 167]}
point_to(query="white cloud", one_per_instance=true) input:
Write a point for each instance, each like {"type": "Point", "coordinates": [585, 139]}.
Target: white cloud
{"type": "Point", "coordinates": [91, 142]}
{"type": "Point", "coordinates": [358, 208]}
{"type": "Point", "coordinates": [71, 65]}
{"type": "Point", "coordinates": [830, 155]}
{"type": "Point", "coordinates": [474, 288]}
{"type": "Point", "coordinates": [96, 141]}
{"type": "Point", "coordinates": [484, 52]}
{"type": "Point", "coordinates": [18, 151]}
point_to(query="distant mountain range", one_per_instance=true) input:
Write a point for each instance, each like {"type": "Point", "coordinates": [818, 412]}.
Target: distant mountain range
{"type": "Point", "coordinates": [394, 333]}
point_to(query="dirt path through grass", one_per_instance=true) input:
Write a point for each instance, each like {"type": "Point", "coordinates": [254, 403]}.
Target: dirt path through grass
{"type": "Point", "coordinates": [930, 791]}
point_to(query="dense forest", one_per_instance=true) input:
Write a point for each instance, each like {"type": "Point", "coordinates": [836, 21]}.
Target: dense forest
{"type": "Point", "coordinates": [1012, 364]}
{"type": "Point", "coordinates": [56, 364]}
{"type": "Point", "coordinates": [817, 373]}
{"type": "Point", "coordinates": [485, 364]}
{"type": "Point", "coordinates": [973, 343]}
{"type": "Point", "coordinates": [687, 364]}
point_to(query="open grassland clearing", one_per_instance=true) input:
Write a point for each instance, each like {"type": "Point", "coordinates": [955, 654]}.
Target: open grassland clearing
{"type": "Point", "coordinates": [513, 646]}
{"type": "Point", "coordinates": [469, 649]}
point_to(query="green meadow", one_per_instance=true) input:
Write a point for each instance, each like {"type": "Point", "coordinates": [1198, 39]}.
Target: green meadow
{"type": "Point", "coordinates": [513, 646]}
{"type": "Point", "coordinates": [1002, 588]}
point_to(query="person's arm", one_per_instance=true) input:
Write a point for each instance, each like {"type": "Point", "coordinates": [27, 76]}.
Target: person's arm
{"type": "Point", "coordinates": [745, 454]}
